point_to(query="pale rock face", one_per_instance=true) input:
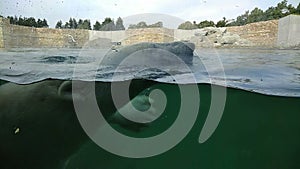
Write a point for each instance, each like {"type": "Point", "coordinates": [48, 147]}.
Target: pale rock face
{"type": "Point", "coordinates": [229, 38]}
{"type": "Point", "coordinates": [217, 37]}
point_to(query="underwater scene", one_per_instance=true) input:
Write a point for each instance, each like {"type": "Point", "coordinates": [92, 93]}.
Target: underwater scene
{"type": "Point", "coordinates": [149, 105]}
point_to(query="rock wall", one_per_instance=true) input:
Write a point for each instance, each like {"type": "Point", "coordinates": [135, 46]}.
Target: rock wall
{"type": "Point", "coordinates": [1, 33]}
{"type": "Point", "coordinates": [263, 34]}
{"type": "Point", "coordinates": [62, 37]}
{"type": "Point", "coordinates": [14, 36]}
{"type": "Point", "coordinates": [148, 35]}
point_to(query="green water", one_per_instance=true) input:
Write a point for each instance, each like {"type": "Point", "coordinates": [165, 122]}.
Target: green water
{"type": "Point", "coordinates": [256, 132]}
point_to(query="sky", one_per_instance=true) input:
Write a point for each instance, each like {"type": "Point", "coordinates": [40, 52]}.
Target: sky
{"type": "Point", "coordinates": [170, 12]}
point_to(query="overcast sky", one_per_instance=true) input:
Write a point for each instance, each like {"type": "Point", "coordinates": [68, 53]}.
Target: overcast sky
{"type": "Point", "coordinates": [192, 10]}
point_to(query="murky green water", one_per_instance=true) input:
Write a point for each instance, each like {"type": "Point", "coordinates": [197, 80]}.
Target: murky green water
{"type": "Point", "coordinates": [256, 131]}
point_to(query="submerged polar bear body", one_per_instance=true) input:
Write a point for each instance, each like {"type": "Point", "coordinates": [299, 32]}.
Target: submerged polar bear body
{"type": "Point", "coordinates": [38, 125]}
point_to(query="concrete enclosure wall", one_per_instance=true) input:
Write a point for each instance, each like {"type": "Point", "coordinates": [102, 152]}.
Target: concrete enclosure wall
{"type": "Point", "coordinates": [289, 31]}
{"type": "Point", "coordinates": [262, 34]}
{"type": "Point", "coordinates": [115, 36]}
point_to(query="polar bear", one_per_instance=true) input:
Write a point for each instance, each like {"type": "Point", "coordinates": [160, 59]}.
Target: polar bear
{"type": "Point", "coordinates": [39, 127]}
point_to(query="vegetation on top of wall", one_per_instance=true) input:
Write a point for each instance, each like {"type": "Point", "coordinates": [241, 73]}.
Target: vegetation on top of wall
{"type": "Point", "coordinates": [188, 26]}
{"type": "Point", "coordinates": [107, 25]}
{"type": "Point", "coordinates": [73, 24]}
{"type": "Point", "coordinates": [143, 24]}
{"type": "Point", "coordinates": [256, 15]}
{"type": "Point", "coordinates": [205, 23]}
{"type": "Point", "coordinates": [24, 21]}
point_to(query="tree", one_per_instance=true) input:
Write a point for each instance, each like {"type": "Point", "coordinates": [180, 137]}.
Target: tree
{"type": "Point", "coordinates": [44, 23]}
{"type": "Point", "coordinates": [187, 26]}
{"type": "Point", "coordinates": [221, 23]}
{"type": "Point", "coordinates": [67, 25]}
{"type": "Point", "coordinates": [106, 21]}
{"type": "Point", "coordinates": [71, 24]}
{"type": "Point", "coordinates": [97, 26]}
{"type": "Point", "coordinates": [139, 25]}
{"type": "Point", "coordinates": [80, 22]}
{"type": "Point", "coordinates": [108, 27]}
{"type": "Point", "coordinates": [281, 9]}
{"type": "Point", "coordinates": [240, 20]}
{"type": "Point", "coordinates": [86, 24]}
{"type": "Point", "coordinates": [291, 9]}
{"type": "Point", "coordinates": [39, 23]}
{"type": "Point", "coordinates": [269, 13]}
{"type": "Point", "coordinates": [24, 21]}
{"type": "Point", "coordinates": [297, 11]}
{"type": "Point", "coordinates": [30, 22]}
{"type": "Point", "coordinates": [11, 20]}
{"type": "Point", "coordinates": [75, 24]}
{"type": "Point", "coordinates": [156, 25]}
{"type": "Point", "coordinates": [206, 23]}
{"type": "Point", "coordinates": [15, 20]}
{"type": "Point", "coordinates": [59, 25]}
{"type": "Point", "coordinates": [142, 24]}
{"type": "Point", "coordinates": [256, 15]}
{"type": "Point", "coordinates": [119, 24]}
{"type": "Point", "coordinates": [19, 21]}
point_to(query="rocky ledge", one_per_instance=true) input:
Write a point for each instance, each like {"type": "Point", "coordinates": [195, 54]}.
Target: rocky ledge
{"type": "Point", "coordinates": [218, 37]}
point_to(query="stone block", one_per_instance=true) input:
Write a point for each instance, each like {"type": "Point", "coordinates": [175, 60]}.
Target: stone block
{"type": "Point", "coordinates": [289, 31]}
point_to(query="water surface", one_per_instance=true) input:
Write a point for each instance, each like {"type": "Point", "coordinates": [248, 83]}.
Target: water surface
{"type": "Point", "coordinates": [273, 72]}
